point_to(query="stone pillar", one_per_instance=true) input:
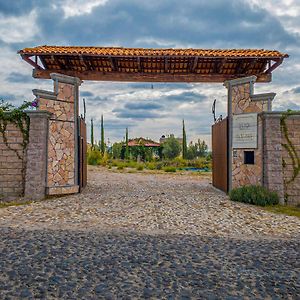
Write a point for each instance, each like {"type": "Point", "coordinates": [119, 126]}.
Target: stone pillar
{"type": "Point", "coordinates": [36, 167]}
{"type": "Point", "coordinates": [62, 162]}
{"type": "Point", "coordinates": [272, 154]}
{"type": "Point", "coordinates": [241, 100]}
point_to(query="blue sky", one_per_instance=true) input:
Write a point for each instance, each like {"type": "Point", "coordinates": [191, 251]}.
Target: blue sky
{"type": "Point", "coordinates": [147, 111]}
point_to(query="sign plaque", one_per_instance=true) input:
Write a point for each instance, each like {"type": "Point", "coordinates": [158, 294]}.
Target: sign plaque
{"type": "Point", "coordinates": [244, 134]}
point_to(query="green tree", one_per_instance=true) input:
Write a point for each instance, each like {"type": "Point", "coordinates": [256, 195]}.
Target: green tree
{"type": "Point", "coordinates": [191, 151]}
{"type": "Point", "coordinates": [92, 134]}
{"type": "Point", "coordinates": [201, 148]}
{"type": "Point", "coordinates": [171, 148]}
{"type": "Point", "coordinates": [117, 150]}
{"type": "Point", "coordinates": [102, 146]}
{"type": "Point", "coordinates": [127, 148]}
{"type": "Point", "coordinates": [184, 143]}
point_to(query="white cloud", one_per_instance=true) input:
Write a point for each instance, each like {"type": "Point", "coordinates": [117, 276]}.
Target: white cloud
{"type": "Point", "coordinates": [18, 29]}
{"type": "Point", "coordinates": [287, 12]}
{"type": "Point", "coordinates": [74, 8]}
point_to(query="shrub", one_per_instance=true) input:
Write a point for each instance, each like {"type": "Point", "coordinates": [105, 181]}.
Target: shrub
{"type": "Point", "coordinates": [159, 166]}
{"type": "Point", "coordinates": [150, 166]}
{"type": "Point", "coordinates": [169, 169]}
{"type": "Point", "coordinates": [94, 157]}
{"type": "Point", "coordinates": [140, 167]}
{"type": "Point", "coordinates": [254, 194]}
{"type": "Point", "coordinates": [120, 167]}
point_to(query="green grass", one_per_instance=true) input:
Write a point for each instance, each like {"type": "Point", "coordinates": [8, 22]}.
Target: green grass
{"type": "Point", "coordinates": [284, 209]}
{"type": "Point", "coordinates": [7, 204]}
{"type": "Point", "coordinates": [169, 169]}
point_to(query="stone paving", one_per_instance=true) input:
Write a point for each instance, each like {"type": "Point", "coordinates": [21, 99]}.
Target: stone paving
{"type": "Point", "coordinates": [147, 236]}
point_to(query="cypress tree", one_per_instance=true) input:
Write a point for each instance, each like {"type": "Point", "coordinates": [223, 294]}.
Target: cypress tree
{"type": "Point", "coordinates": [127, 148]}
{"type": "Point", "coordinates": [184, 144]}
{"type": "Point", "coordinates": [102, 137]}
{"type": "Point", "coordinates": [92, 133]}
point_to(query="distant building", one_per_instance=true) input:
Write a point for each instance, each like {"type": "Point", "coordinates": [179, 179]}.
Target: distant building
{"type": "Point", "coordinates": [163, 138]}
{"type": "Point", "coordinates": [142, 142]}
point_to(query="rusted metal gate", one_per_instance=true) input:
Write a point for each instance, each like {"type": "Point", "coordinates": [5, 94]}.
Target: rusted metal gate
{"type": "Point", "coordinates": [82, 154]}
{"type": "Point", "coordinates": [220, 155]}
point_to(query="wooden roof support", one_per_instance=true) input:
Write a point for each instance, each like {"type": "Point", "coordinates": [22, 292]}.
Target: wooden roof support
{"type": "Point", "coordinates": [113, 63]}
{"type": "Point", "coordinates": [146, 77]}
{"type": "Point", "coordinates": [139, 64]}
{"type": "Point", "coordinates": [195, 63]}
{"type": "Point", "coordinates": [31, 62]}
{"type": "Point", "coordinates": [167, 65]}
{"type": "Point", "coordinates": [274, 66]}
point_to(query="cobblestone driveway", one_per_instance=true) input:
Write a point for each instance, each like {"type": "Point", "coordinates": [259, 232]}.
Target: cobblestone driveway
{"type": "Point", "coordinates": [147, 236]}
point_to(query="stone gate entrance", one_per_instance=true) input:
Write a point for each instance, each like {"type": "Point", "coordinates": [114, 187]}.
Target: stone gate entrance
{"type": "Point", "coordinates": [68, 66]}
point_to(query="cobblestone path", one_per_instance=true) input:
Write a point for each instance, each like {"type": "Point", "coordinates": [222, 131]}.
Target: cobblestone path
{"type": "Point", "coordinates": [147, 236]}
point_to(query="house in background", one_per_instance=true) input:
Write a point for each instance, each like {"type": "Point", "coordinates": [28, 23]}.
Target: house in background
{"type": "Point", "coordinates": [163, 138]}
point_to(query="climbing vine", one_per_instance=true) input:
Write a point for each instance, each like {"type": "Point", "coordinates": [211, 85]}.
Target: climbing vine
{"type": "Point", "coordinates": [290, 148]}
{"type": "Point", "coordinates": [10, 114]}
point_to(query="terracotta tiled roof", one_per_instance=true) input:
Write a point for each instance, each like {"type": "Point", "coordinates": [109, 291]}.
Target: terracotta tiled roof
{"type": "Point", "coordinates": [142, 142]}
{"type": "Point", "coordinates": [120, 51]}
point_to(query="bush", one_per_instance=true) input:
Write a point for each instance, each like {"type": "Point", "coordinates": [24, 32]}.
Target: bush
{"type": "Point", "coordinates": [140, 167]}
{"type": "Point", "coordinates": [150, 166]}
{"type": "Point", "coordinates": [169, 169]}
{"type": "Point", "coordinates": [159, 165]}
{"type": "Point", "coordinates": [94, 157]}
{"type": "Point", "coordinates": [254, 194]}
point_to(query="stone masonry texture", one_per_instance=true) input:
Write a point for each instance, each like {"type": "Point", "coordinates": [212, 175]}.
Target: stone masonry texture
{"type": "Point", "coordinates": [273, 172]}
{"type": "Point", "coordinates": [291, 186]}
{"type": "Point", "coordinates": [11, 166]}
{"type": "Point", "coordinates": [243, 174]}
{"type": "Point", "coordinates": [61, 166]}
{"type": "Point", "coordinates": [36, 168]}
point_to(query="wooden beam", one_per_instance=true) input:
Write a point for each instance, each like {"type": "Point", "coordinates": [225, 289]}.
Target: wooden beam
{"type": "Point", "coordinates": [113, 64]}
{"type": "Point", "coordinates": [218, 66]}
{"type": "Point", "coordinates": [195, 63]}
{"type": "Point", "coordinates": [146, 77]}
{"type": "Point", "coordinates": [139, 64]}
{"type": "Point", "coordinates": [31, 62]}
{"type": "Point", "coordinates": [274, 66]}
{"type": "Point", "coordinates": [239, 67]}
{"type": "Point", "coordinates": [83, 61]}
{"type": "Point", "coordinates": [167, 65]}
{"type": "Point", "coordinates": [250, 66]}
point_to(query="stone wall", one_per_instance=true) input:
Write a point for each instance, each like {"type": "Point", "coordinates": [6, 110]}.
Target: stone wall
{"type": "Point", "coordinates": [290, 140]}
{"type": "Point", "coordinates": [23, 171]}
{"type": "Point", "coordinates": [62, 168]}
{"type": "Point", "coordinates": [12, 163]}
{"type": "Point", "coordinates": [272, 154]}
{"type": "Point", "coordinates": [242, 101]}
{"type": "Point", "coordinates": [282, 155]}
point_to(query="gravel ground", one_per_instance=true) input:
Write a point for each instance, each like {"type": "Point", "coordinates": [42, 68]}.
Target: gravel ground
{"type": "Point", "coordinates": [147, 236]}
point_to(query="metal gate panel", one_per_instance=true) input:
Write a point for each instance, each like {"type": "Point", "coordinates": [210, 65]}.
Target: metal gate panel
{"type": "Point", "coordinates": [220, 155]}
{"type": "Point", "coordinates": [82, 145]}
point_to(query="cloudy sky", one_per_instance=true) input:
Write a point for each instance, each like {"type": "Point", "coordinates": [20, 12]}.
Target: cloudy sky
{"type": "Point", "coordinates": [147, 111]}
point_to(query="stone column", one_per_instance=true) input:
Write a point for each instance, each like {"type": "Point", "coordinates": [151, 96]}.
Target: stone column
{"type": "Point", "coordinates": [241, 100]}
{"type": "Point", "coordinates": [36, 167]}
{"type": "Point", "coordinates": [273, 169]}
{"type": "Point", "coordinates": [62, 165]}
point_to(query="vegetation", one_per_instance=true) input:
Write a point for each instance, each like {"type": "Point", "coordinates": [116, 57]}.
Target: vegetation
{"type": "Point", "coordinates": [284, 209]}
{"type": "Point", "coordinates": [126, 145]}
{"type": "Point", "coordinates": [199, 149]}
{"type": "Point", "coordinates": [169, 169]}
{"type": "Point", "coordinates": [171, 148]}
{"type": "Point", "coordinates": [184, 143]}
{"type": "Point", "coordinates": [102, 146]}
{"type": "Point", "coordinates": [92, 133]}
{"type": "Point", "coordinates": [168, 157]}
{"type": "Point", "coordinates": [253, 194]}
